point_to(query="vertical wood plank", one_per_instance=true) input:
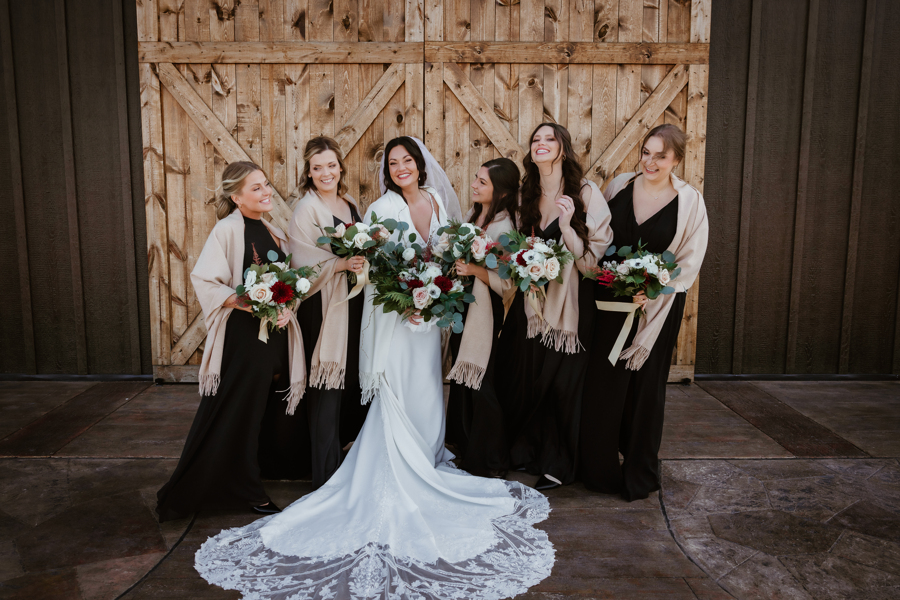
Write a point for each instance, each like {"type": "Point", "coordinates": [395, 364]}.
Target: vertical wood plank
{"type": "Point", "coordinates": [457, 28]}
{"type": "Point", "coordinates": [414, 86]}
{"type": "Point", "coordinates": [506, 76]}
{"type": "Point", "coordinates": [321, 77]}
{"type": "Point", "coordinates": [862, 120]}
{"type": "Point", "coordinates": [272, 99]}
{"type": "Point", "coordinates": [579, 94]}
{"type": "Point", "coordinates": [17, 190]}
{"type": "Point", "coordinates": [71, 191]}
{"type": "Point", "coordinates": [147, 21]}
{"type": "Point", "coordinates": [131, 285]}
{"type": "Point", "coordinates": [371, 144]}
{"type": "Point", "coordinates": [248, 83]}
{"type": "Point", "coordinates": [654, 30]}
{"type": "Point", "coordinates": [346, 91]}
{"type": "Point", "coordinates": [628, 77]}
{"type": "Point", "coordinates": [603, 99]}
{"type": "Point", "coordinates": [395, 109]}
{"type": "Point", "coordinates": [809, 78]}
{"type": "Point", "coordinates": [678, 31]}
{"type": "Point", "coordinates": [434, 20]}
{"type": "Point", "coordinates": [556, 76]}
{"type": "Point", "coordinates": [481, 16]}
{"type": "Point", "coordinates": [434, 109]}
{"type": "Point", "coordinates": [743, 266]}
{"type": "Point", "coordinates": [531, 76]}
{"type": "Point", "coordinates": [296, 97]}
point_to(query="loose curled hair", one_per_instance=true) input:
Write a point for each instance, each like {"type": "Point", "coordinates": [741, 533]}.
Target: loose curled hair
{"type": "Point", "coordinates": [504, 176]}
{"type": "Point", "coordinates": [413, 148]}
{"type": "Point", "coordinates": [232, 181]}
{"type": "Point", "coordinates": [318, 145]}
{"type": "Point", "coordinates": [529, 216]}
{"type": "Point", "coordinates": [672, 137]}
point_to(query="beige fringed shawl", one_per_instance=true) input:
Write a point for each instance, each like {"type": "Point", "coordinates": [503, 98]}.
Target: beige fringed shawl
{"type": "Point", "coordinates": [689, 248]}
{"type": "Point", "coordinates": [329, 358]}
{"type": "Point", "coordinates": [219, 270]}
{"type": "Point", "coordinates": [477, 337]}
{"type": "Point", "coordinates": [559, 327]}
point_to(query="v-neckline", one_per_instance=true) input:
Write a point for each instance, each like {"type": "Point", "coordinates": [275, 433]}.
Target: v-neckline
{"type": "Point", "coordinates": [431, 202]}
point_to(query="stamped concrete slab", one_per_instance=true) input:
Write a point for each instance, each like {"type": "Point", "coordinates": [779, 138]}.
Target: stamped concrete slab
{"type": "Point", "coordinates": [869, 551]}
{"type": "Point", "coordinates": [763, 577]}
{"type": "Point", "coordinates": [775, 532]}
{"type": "Point", "coordinates": [56, 584]}
{"type": "Point", "coordinates": [871, 519]}
{"type": "Point", "coordinates": [106, 580]}
{"type": "Point", "coordinates": [829, 577]}
{"type": "Point", "coordinates": [22, 402]}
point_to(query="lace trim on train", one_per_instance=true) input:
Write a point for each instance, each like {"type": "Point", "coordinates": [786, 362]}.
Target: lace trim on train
{"type": "Point", "coordinates": [237, 559]}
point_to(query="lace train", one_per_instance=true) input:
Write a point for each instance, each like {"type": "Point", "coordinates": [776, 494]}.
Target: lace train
{"type": "Point", "coordinates": [521, 556]}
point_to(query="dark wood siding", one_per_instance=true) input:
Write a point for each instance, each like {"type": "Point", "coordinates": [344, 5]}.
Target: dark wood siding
{"type": "Point", "coordinates": [76, 116]}
{"type": "Point", "coordinates": [794, 282]}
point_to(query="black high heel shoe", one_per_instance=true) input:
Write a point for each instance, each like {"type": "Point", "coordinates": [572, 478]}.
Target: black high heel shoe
{"type": "Point", "coordinates": [268, 508]}
{"type": "Point", "coordinates": [544, 483]}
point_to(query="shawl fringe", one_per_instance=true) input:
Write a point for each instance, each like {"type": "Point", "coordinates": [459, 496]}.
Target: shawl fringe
{"type": "Point", "coordinates": [468, 374]}
{"type": "Point", "coordinates": [295, 392]}
{"type": "Point", "coordinates": [636, 357]}
{"type": "Point", "coordinates": [559, 340]}
{"type": "Point", "coordinates": [370, 384]}
{"type": "Point", "coordinates": [329, 375]}
{"type": "Point", "coordinates": [209, 384]}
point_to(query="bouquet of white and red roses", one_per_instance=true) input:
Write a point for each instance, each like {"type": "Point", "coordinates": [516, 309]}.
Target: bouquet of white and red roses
{"type": "Point", "coordinates": [468, 242]}
{"type": "Point", "coordinates": [270, 288]}
{"type": "Point", "coordinates": [637, 271]}
{"type": "Point", "coordinates": [410, 280]}
{"type": "Point", "coordinates": [532, 262]}
{"type": "Point", "coordinates": [357, 239]}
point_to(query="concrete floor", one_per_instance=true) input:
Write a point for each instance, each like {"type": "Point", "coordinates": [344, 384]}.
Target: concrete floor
{"type": "Point", "coordinates": [770, 490]}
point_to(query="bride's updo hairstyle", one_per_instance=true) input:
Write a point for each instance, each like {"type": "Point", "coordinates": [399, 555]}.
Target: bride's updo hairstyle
{"type": "Point", "coordinates": [413, 148]}
{"type": "Point", "coordinates": [573, 180]}
{"type": "Point", "coordinates": [318, 145]}
{"type": "Point", "coordinates": [504, 176]}
{"type": "Point", "coordinates": [232, 181]}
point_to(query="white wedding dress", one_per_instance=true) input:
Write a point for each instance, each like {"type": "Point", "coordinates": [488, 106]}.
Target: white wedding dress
{"type": "Point", "coordinates": [397, 520]}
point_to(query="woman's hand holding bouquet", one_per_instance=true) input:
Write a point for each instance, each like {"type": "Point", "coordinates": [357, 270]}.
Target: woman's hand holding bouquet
{"type": "Point", "coordinates": [531, 264]}
{"type": "Point", "coordinates": [350, 240]}
{"type": "Point", "coordinates": [637, 273]}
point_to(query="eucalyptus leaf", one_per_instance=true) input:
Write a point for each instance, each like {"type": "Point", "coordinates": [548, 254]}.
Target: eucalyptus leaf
{"type": "Point", "coordinates": [351, 231]}
{"type": "Point", "coordinates": [240, 290]}
{"type": "Point", "coordinates": [403, 225]}
{"type": "Point", "coordinates": [369, 244]}
{"type": "Point", "coordinates": [525, 283]}
{"type": "Point", "coordinates": [437, 309]}
{"type": "Point", "coordinates": [457, 317]}
{"type": "Point", "coordinates": [272, 255]}
{"type": "Point", "coordinates": [667, 290]}
{"type": "Point", "coordinates": [610, 251]}
{"type": "Point", "coordinates": [457, 327]}
{"type": "Point", "coordinates": [504, 240]}
{"type": "Point", "coordinates": [624, 251]}
{"type": "Point", "coordinates": [490, 261]}
{"type": "Point", "coordinates": [412, 237]}
{"type": "Point", "coordinates": [668, 257]}
{"type": "Point", "coordinates": [388, 223]}
{"type": "Point", "coordinates": [675, 273]}
{"type": "Point", "coordinates": [323, 240]}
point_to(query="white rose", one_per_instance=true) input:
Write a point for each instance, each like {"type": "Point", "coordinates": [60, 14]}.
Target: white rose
{"type": "Point", "coordinates": [536, 271]}
{"type": "Point", "coordinates": [479, 248]}
{"type": "Point", "coordinates": [623, 269]}
{"type": "Point", "coordinates": [421, 298]}
{"type": "Point", "coordinates": [360, 239]}
{"type": "Point", "coordinates": [303, 285]}
{"type": "Point", "coordinates": [466, 229]}
{"type": "Point", "coordinates": [409, 254]}
{"type": "Point", "coordinates": [260, 293]}
{"type": "Point", "coordinates": [443, 243]}
{"type": "Point", "coordinates": [457, 286]}
{"type": "Point", "coordinates": [269, 278]}
{"type": "Point", "coordinates": [432, 270]}
{"type": "Point", "coordinates": [522, 271]}
{"type": "Point", "coordinates": [651, 268]}
{"type": "Point", "coordinates": [339, 231]}
{"type": "Point", "coordinates": [664, 277]}
{"type": "Point", "coordinates": [457, 250]}
{"type": "Point", "coordinates": [552, 268]}
{"type": "Point", "coordinates": [433, 290]}
{"type": "Point", "coordinates": [280, 265]}
{"type": "Point", "coordinates": [541, 247]}
{"type": "Point", "coordinates": [251, 279]}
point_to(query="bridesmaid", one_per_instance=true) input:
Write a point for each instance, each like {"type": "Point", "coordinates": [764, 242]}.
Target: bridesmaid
{"type": "Point", "coordinates": [329, 321]}
{"type": "Point", "coordinates": [239, 374]}
{"type": "Point", "coordinates": [475, 419]}
{"type": "Point", "coordinates": [556, 203]}
{"type": "Point", "coordinates": [659, 210]}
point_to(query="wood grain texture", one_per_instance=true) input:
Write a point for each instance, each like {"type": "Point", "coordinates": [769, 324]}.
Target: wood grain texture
{"type": "Point", "coordinates": [280, 52]}
{"type": "Point", "coordinates": [628, 77]}
{"type": "Point", "coordinates": [371, 106]}
{"type": "Point", "coordinates": [561, 52]}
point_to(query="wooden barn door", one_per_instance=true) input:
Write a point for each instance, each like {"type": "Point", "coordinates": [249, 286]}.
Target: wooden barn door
{"type": "Point", "coordinates": [223, 80]}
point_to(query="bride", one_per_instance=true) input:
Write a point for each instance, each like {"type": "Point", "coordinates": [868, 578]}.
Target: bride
{"type": "Point", "coordinates": [397, 520]}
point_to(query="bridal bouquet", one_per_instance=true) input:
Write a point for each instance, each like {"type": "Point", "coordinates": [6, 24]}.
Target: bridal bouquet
{"type": "Point", "coordinates": [269, 288]}
{"type": "Point", "coordinates": [357, 239]}
{"type": "Point", "coordinates": [468, 242]}
{"type": "Point", "coordinates": [409, 280]}
{"type": "Point", "coordinates": [532, 262]}
{"type": "Point", "coordinates": [638, 271]}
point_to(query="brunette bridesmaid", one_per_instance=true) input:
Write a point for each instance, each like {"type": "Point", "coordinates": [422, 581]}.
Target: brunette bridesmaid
{"type": "Point", "coordinates": [625, 413]}
{"type": "Point", "coordinates": [329, 318]}
{"type": "Point", "coordinates": [476, 424]}
{"type": "Point", "coordinates": [556, 203]}
{"type": "Point", "coordinates": [239, 375]}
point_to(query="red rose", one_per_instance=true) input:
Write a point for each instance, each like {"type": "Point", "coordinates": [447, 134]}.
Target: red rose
{"type": "Point", "coordinates": [443, 283]}
{"type": "Point", "coordinates": [521, 259]}
{"type": "Point", "coordinates": [414, 283]}
{"type": "Point", "coordinates": [282, 293]}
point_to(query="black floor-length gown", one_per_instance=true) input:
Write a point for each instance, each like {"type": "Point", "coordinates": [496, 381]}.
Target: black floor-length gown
{"type": "Point", "coordinates": [547, 385]}
{"type": "Point", "coordinates": [219, 464]}
{"type": "Point", "coordinates": [476, 419]}
{"type": "Point", "coordinates": [334, 416]}
{"type": "Point", "coordinates": [625, 411]}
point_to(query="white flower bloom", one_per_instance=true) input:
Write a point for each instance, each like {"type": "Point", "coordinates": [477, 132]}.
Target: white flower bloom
{"type": "Point", "coordinates": [457, 250]}
{"type": "Point", "coordinates": [260, 293]}
{"type": "Point", "coordinates": [303, 285]}
{"type": "Point", "coordinates": [536, 271]}
{"type": "Point", "coordinates": [479, 248]}
{"type": "Point", "coordinates": [421, 298]}
{"type": "Point", "coordinates": [466, 229]}
{"type": "Point", "coordinates": [552, 268]}
{"type": "Point", "coordinates": [443, 244]}
{"type": "Point", "coordinates": [623, 269]}
{"type": "Point", "coordinates": [409, 254]}
{"type": "Point", "coordinates": [339, 231]}
{"type": "Point", "coordinates": [530, 256]}
{"type": "Point", "coordinates": [280, 265]}
{"type": "Point", "coordinates": [541, 247]}
{"type": "Point", "coordinates": [269, 278]}
{"type": "Point", "coordinates": [360, 239]}
{"type": "Point", "coordinates": [250, 280]}
{"type": "Point", "coordinates": [433, 290]}
{"type": "Point", "coordinates": [431, 271]}
{"type": "Point", "coordinates": [522, 271]}
{"type": "Point", "coordinates": [457, 286]}
{"type": "Point", "coordinates": [664, 277]}
{"type": "Point", "coordinates": [634, 263]}
{"type": "Point", "coordinates": [651, 268]}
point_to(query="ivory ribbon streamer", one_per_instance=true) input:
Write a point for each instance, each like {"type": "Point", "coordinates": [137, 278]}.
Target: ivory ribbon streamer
{"type": "Point", "coordinates": [535, 302]}
{"type": "Point", "coordinates": [625, 307]}
{"type": "Point", "coordinates": [264, 331]}
{"type": "Point", "coordinates": [361, 280]}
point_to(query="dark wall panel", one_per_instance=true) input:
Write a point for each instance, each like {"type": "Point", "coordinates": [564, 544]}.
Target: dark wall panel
{"type": "Point", "coordinates": [873, 335]}
{"type": "Point", "coordinates": [730, 51]}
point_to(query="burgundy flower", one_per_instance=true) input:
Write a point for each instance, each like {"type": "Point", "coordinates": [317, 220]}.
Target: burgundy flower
{"type": "Point", "coordinates": [521, 259]}
{"type": "Point", "coordinates": [443, 283]}
{"type": "Point", "coordinates": [281, 293]}
{"type": "Point", "coordinates": [414, 283]}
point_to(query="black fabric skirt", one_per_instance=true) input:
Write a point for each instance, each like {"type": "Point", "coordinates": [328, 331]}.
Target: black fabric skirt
{"type": "Point", "coordinates": [219, 464]}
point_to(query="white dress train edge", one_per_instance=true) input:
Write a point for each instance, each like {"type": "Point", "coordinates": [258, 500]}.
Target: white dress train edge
{"type": "Point", "coordinates": [397, 520]}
